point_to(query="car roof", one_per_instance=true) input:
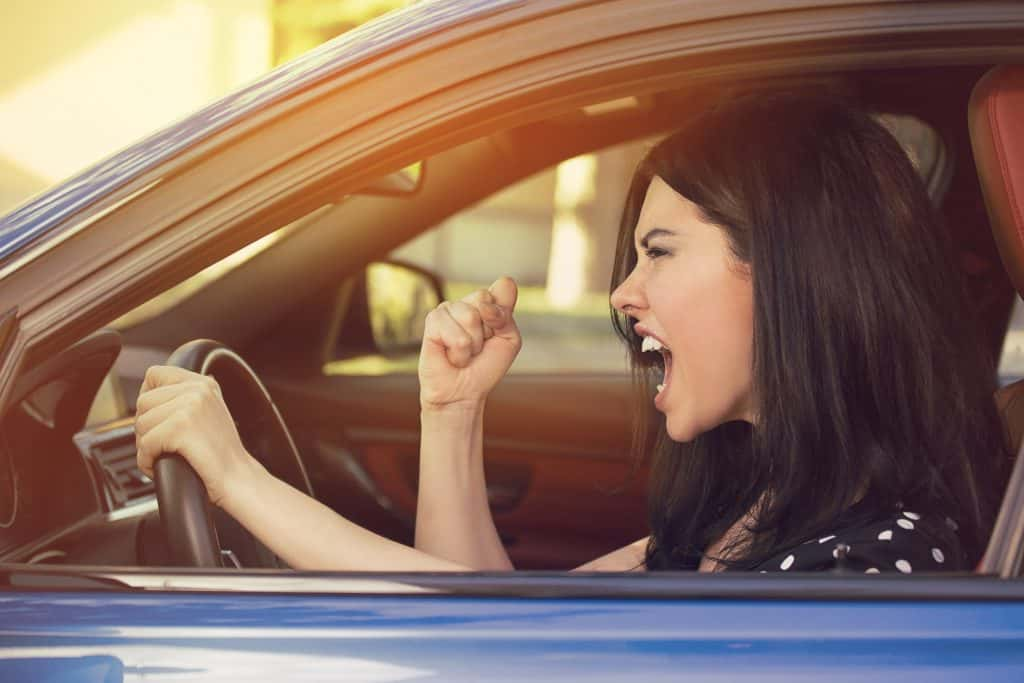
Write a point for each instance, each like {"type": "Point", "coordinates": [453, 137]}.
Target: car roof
{"type": "Point", "coordinates": [47, 210]}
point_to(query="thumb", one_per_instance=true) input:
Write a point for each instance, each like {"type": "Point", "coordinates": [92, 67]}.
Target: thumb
{"type": "Point", "coordinates": [505, 293]}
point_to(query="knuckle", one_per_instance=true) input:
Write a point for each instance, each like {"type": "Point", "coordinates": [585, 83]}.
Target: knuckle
{"type": "Point", "coordinates": [142, 455]}
{"type": "Point", "coordinates": [178, 421]}
{"type": "Point", "coordinates": [478, 295]}
{"type": "Point", "coordinates": [194, 403]}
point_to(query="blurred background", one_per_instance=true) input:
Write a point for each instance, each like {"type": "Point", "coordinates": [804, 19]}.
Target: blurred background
{"type": "Point", "coordinates": [83, 80]}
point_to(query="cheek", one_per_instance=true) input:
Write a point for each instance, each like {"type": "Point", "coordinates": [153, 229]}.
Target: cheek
{"type": "Point", "coordinates": [710, 324]}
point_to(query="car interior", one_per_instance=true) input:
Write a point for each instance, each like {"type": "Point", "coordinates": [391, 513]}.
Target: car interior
{"type": "Point", "coordinates": [563, 484]}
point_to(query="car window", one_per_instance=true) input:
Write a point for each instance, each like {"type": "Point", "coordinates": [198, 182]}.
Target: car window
{"type": "Point", "coordinates": [555, 234]}
{"type": "Point", "coordinates": [193, 285]}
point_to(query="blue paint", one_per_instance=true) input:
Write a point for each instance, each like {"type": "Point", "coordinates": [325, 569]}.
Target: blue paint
{"type": "Point", "coordinates": [40, 216]}
{"type": "Point", "coordinates": [217, 636]}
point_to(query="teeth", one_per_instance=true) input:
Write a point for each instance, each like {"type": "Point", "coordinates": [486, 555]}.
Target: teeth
{"type": "Point", "coordinates": [660, 387]}
{"type": "Point", "coordinates": [651, 344]}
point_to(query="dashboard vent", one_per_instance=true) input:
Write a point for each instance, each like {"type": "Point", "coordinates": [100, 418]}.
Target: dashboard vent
{"type": "Point", "coordinates": [125, 481]}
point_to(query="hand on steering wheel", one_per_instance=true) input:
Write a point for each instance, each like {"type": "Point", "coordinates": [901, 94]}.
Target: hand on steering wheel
{"type": "Point", "coordinates": [183, 412]}
{"type": "Point", "coordinates": [184, 426]}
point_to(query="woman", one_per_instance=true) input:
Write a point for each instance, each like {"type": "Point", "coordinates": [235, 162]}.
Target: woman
{"type": "Point", "coordinates": [782, 280]}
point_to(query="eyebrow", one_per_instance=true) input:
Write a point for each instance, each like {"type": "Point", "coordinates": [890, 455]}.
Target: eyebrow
{"type": "Point", "coordinates": [655, 232]}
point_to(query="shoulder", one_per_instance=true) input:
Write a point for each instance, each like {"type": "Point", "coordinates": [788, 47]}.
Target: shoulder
{"type": "Point", "coordinates": [904, 542]}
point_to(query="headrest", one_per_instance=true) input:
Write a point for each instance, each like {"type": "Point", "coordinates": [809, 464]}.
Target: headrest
{"type": "Point", "coordinates": [996, 121]}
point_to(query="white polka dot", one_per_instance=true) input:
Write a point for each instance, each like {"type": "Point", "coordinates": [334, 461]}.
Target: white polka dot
{"type": "Point", "coordinates": [787, 563]}
{"type": "Point", "coordinates": [912, 515]}
{"type": "Point", "coordinates": [764, 571]}
{"type": "Point", "coordinates": [951, 524]}
{"type": "Point", "coordinates": [835, 553]}
{"type": "Point", "coordinates": [937, 554]}
{"type": "Point", "coordinates": [903, 566]}
{"type": "Point", "coordinates": [885, 535]}
{"type": "Point", "coordinates": [827, 538]}
{"type": "Point", "coordinates": [872, 570]}
{"type": "Point", "coordinates": [905, 524]}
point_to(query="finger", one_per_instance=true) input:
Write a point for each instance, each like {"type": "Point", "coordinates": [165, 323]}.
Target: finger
{"type": "Point", "coordinates": [494, 317]}
{"type": "Point", "coordinates": [164, 375]}
{"type": "Point", "coordinates": [151, 398]}
{"type": "Point", "coordinates": [161, 439]}
{"type": "Point", "coordinates": [457, 342]}
{"type": "Point", "coordinates": [479, 296]}
{"type": "Point", "coordinates": [156, 415]}
{"type": "Point", "coordinates": [469, 319]}
{"type": "Point", "coordinates": [505, 293]}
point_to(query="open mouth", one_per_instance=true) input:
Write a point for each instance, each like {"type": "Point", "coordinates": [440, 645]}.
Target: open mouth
{"type": "Point", "coordinates": [653, 345]}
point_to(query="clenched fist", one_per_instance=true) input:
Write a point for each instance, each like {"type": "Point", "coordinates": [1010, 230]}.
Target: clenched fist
{"type": "Point", "coordinates": [468, 346]}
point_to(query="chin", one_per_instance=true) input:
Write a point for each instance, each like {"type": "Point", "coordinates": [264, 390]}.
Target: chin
{"type": "Point", "coordinates": [681, 430]}
{"type": "Point", "coordinates": [684, 429]}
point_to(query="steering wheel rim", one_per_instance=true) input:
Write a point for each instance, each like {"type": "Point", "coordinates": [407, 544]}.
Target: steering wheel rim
{"type": "Point", "coordinates": [189, 520]}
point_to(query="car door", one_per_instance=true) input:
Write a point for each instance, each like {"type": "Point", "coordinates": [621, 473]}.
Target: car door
{"type": "Point", "coordinates": [108, 627]}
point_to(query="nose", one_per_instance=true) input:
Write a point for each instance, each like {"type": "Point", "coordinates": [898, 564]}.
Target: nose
{"type": "Point", "coordinates": [628, 297]}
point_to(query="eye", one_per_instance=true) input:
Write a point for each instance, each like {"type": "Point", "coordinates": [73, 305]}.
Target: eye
{"type": "Point", "coordinates": [654, 252]}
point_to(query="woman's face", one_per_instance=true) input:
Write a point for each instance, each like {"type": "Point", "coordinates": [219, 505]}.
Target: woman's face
{"type": "Point", "coordinates": [690, 294]}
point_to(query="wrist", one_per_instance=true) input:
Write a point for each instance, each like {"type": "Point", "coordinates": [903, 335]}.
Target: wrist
{"type": "Point", "coordinates": [455, 409]}
{"type": "Point", "coordinates": [239, 481]}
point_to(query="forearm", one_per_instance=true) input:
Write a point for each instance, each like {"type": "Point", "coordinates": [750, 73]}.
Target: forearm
{"type": "Point", "coordinates": [308, 535]}
{"type": "Point", "coordinates": [453, 518]}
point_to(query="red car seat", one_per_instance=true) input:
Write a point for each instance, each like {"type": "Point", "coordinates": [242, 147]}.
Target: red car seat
{"type": "Point", "coordinates": [996, 123]}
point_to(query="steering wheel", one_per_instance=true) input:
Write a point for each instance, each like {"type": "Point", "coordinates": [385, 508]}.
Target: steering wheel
{"type": "Point", "coordinates": [198, 534]}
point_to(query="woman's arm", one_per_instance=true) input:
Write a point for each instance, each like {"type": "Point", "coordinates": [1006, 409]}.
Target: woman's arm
{"type": "Point", "coordinates": [629, 558]}
{"type": "Point", "coordinates": [309, 535]}
{"type": "Point", "coordinates": [468, 347]}
{"type": "Point", "coordinates": [453, 518]}
{"type": "Point", "coordinates": [183, 412]}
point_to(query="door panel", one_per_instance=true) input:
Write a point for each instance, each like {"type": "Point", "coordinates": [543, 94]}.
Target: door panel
{"type": "Point", "coordinates": [168, 636]}
{"type": "Point", "coordinates": [563, 485]}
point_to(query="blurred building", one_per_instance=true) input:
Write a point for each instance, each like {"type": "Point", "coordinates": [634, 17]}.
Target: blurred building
{"type": "Point", "coordinates": [82, 80]}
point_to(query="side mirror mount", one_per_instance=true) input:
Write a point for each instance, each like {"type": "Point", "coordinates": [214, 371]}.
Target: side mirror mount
{"type": "Point", "coordinates": [387, 307]}
{"type": "Point", "coordinates": [405, 182]}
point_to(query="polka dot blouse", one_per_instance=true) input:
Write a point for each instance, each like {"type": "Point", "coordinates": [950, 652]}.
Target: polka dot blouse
{"type": "Point", "coordinates": [904, 542]}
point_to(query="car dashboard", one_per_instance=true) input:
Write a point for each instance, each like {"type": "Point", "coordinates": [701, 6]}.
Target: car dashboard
{"type": "Point", "coordinates": [71, 494]}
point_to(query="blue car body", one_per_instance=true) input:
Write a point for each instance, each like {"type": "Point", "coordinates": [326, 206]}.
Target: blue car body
{"type": "Point", "coordinates": [102, 636]}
